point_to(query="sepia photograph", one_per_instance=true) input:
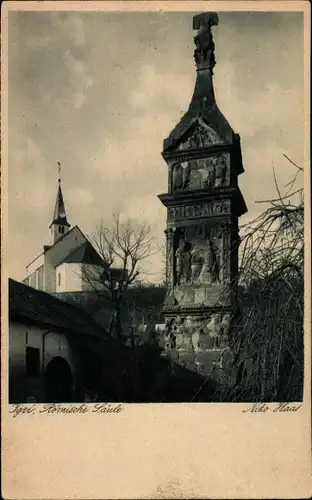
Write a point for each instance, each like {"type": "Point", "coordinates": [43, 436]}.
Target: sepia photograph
{"type": "Point", "coordinates": [156, 208]}
{"type": "Point", "coordinates": [155, 251]}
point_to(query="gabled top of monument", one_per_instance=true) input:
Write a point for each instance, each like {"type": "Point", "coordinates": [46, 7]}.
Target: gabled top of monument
{"type": "Point", "coordinates": [203, 104]}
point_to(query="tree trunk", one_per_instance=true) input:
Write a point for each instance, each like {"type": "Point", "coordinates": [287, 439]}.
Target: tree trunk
{"type": "Point", "coordinates": [118, 329]}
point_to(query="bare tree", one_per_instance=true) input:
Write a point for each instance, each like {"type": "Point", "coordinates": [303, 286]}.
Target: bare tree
{"type": "Point", "coordinates": [267, 335]}
{"type": "Point", "coordinates": [271, 277]}
{"type": "Point", "coordinates": [122, 247]}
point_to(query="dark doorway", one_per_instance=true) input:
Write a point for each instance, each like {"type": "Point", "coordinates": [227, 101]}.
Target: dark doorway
{"type": "Point", "coordinates": [58, 381]}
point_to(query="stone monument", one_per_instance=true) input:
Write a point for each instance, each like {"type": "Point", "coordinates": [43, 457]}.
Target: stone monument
{"type": "Point", "coordinates": [203, 203]}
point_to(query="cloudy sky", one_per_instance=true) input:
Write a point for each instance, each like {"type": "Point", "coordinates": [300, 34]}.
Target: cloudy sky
{"type": "Point", "coordinates": [100, 91]}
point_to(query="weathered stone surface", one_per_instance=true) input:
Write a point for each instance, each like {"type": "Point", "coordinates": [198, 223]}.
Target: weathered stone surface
{"type": "Point", "coordinates": [203, 173]}
{"type": "Point", "coordinates": [201, 137]}
{"type": "Point", "coordinates": [215, 207]}
{"type": "Point", "coordinates": [203, 205]}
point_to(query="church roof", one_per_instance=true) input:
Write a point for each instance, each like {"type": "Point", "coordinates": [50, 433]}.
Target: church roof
{"type": "Point", "coordinates": [31, 306]}
{"type": "Point", "coordinates": [39, 307]}
{"type": "Point", "coordinates": [46, 248]}
{"type": "Point", "coordinates": [85, 254]}
{"type": "Point", "coordinates": [59, 216]}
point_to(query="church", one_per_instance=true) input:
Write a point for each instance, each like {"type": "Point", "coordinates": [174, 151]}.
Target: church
{"type": "Point", "coordinates": [59, 267]}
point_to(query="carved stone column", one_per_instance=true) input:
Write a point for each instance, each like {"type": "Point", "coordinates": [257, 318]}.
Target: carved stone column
{"type": "Point", "coordinates": [203, 204]}
{"type": "Point", "coordinates": [169, 260]}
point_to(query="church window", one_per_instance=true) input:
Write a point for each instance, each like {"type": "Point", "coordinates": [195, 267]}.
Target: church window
{"type": "Point", "coordinates": [32, 280]}
{"type": "Point", "coordinates": [59, 279]}
{"type": "Point", "coordinates": [32, 361]}
{"type": "Point", "coordinates": [40, 278]}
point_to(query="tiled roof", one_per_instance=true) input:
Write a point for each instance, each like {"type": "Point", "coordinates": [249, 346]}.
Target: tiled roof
{"type": "Point", "coordinates": [46, 248]}
{"type": "Point", "coordinates": [40, 307]}
{"type": "Point", "coordinates": [85, 254]}
{"type": "Point", "coordinates": [34, 306]}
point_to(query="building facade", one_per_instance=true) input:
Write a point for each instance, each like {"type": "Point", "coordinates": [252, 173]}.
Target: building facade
{"type": "Point", "coordinates": [59, 353]}
{"type": "Point", "coordinates": [45, 356]}
{"type": "Point", "coordinates": [64, 264]}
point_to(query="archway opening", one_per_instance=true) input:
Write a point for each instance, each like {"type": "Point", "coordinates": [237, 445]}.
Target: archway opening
{"type": "Point", "coordinates": [58, 381]}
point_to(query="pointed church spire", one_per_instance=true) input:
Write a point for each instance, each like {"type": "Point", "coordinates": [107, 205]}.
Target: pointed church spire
{"type": "Point", "coordinates": [59, 225]}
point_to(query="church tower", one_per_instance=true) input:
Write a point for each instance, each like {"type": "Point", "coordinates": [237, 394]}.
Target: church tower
{"type": "Point", "coordinates": [59, 225]}
{"type": "Point", "coordinates": [203, 203]}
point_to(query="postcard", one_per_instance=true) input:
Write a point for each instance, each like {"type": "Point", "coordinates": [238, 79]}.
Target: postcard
{"type": "Point", "coordinates": [156, 264]}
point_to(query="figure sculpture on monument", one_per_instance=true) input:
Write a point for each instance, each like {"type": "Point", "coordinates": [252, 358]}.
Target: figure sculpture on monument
{"type": "Point", "coordinates": [203, 136]}
{"type": "Point", "coordinates": [186, 176]}
{"type": "Point", "coordinates": [220, 171]}
{"type": "Point", "coordinates": [169, 267]}
{"type": "Point", "coordinates": [177, 177]}
{"type": "Point", "coordinates": [186, 256]}
{"type": "Point", "coordinates": [204, 52]}
{"type": "Point", "coordinates": [194, 140]}
{"type": "Point", "coordinates": [196, 263]}
{"type": "Point", "coordinates": [210, 177]}
{"type": "Point", "coordinates": [210, 272]}
{"type": "Point", "coordinates": [179, 261]}
{"type": "Point", "coordinates": [183, 263]}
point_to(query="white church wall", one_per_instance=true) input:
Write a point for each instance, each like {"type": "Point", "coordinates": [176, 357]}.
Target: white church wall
{"type": "Point", "coordinates": [49, 275]}
{"type": "Point", "coordinates": [57, 254]}
{"type": "Point", "coordinates": [68, 278]}
{"type": "Point", "coordinates": [38, 262]}
{"type": "Point", "coordinates": [74, 277]}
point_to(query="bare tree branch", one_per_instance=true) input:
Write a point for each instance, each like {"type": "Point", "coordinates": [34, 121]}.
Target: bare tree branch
{"type": "Point", "coordinates": [122, 247]}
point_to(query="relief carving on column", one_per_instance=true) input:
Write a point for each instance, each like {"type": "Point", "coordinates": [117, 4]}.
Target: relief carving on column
{"type": "Point", "coordinates": [180, 176]}
{"type": "Point", "coordinates": [177, 177]}
{"type": "Point", "coordinates": [220, 169]}
{"type": "Point", "coordinates": [201, 137]}
{"type": "Point", "coordinates": [210, 270]}
{"type": "Point", "coordinates": [208, 177]}
{"type": "Point", "coordinates": [218, 207]}
{"type": "Point", "coordinates": [169, 261]}
{"type": "Point", "coordinates": [203, 173]}
{"type": "Point", "coordinates": [218, 329]}
{"type": "Point", "coordinates": [197, 261]}
{"type": "Point", "coordinates": [222, 234]}
{"type": "Point", "coordinates": [183, 338]}
{"type": "Point", "coordinates": [170, 334]}
{"type": "Point", "coordinates": [183, 262]}
{"type": "Point", "coordinates": [193, 333]}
